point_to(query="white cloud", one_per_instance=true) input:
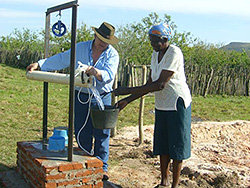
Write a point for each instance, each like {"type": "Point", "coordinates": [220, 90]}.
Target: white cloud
{"type": "Point", "coordinates": [9, 13]}
{"type": "Point", "coordinates": [239, 7]}
{"type": "Point", "coordinates": [34, 2]}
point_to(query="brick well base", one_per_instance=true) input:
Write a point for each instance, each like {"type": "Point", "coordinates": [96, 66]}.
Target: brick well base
{"type": "Point", "coordinates": [44, 169]}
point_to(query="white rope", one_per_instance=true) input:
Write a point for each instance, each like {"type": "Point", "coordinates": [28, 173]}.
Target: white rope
{"type": "Point", "coordinates": [79, 70]}
{"type": "Point", "coordinates": [86, 120]}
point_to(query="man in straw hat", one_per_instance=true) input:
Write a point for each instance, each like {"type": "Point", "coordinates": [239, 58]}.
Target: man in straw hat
{"type": "Point", "coordinates": [102, 61]}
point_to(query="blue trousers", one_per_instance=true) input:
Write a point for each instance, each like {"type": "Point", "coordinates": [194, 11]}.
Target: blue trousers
{"type": "Point", "coordinates": [89, 133]}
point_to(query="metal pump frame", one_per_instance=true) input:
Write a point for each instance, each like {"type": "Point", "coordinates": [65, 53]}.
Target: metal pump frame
{"type": "Point", "coordinates": [73, 5]}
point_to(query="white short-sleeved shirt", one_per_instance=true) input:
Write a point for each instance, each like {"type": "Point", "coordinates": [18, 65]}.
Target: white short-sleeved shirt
{"type": "Point", "coordinates": [172, 60]}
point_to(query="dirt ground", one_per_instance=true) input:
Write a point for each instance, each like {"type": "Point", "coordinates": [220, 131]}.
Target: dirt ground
{"type": "Point", "coordinates": [220, 157]}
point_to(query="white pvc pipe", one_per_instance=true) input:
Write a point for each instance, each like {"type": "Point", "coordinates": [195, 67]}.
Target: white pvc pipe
{"type": "Point", "coordinates": [58, 78]}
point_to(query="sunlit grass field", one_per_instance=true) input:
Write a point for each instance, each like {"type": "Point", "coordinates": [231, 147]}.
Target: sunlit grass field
{"type": "Point", "coordinates": [21, 110]}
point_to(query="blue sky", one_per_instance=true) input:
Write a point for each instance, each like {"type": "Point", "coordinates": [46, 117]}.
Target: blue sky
{"type": "Point", "coordinates": [212, 21]}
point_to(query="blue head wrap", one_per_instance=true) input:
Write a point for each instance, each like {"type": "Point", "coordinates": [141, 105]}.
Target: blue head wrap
{"type": "Point", "coordinates": [161, 30]}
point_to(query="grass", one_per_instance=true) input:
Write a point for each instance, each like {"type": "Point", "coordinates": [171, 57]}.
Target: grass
{"type": "Point", "coordinates": [21, 110]}
{"type": "Point", "coordinates": [221, 108]}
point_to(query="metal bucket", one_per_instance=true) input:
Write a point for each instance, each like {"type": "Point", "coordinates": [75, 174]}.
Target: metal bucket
{"type": "Point", "coordinates": [104, 119]}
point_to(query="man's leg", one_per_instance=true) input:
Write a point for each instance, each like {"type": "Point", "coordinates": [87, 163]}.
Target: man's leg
{"type": "Point", "coordinates": [101, 148]}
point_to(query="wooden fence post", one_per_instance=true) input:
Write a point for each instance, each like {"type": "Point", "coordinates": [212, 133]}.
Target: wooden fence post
{"type": "Point", "coordinates": [141, 112]}
{"type": "Point", "coordinates": [127, 75]}
{"type": "Point", "coordinates": [114, 100]}
{"type": "Point", "coordinates": [132, 69]}
{"type": "Point", "coordinates": [136, 76]}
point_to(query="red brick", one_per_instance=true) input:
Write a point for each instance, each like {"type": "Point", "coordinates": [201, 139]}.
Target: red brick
{"type": "Point", "coordinates": [99, 177]}
{"type": "Point", "coordinates": [71, 176]}
{"type": "Point", "coordinates": [84, 173]}
{"type": "Point", "coordinates": [30, 164]}
{"type": "Point", "coordinates": [55, 177]}
{"type": "Point", "coordinates": [29, 150]}
{"type": "Point", "coordinates": [41, 181]}
{"type": "Point", "coordinates": [93, 163]}
{"type": "Point", "coordinates": [31, 153]}
{"type": "Point", "coordinates": [77, 166]}
{"type": "Point", "coordinates": [22, 163]}
{"type": "Point", "coordinates": [32, 180]}
{"type": "Point", "coordinates": [98, 185]}
{"type": "Point", "coordinates": [48, 169]}
{"type": "Point", "coordinates": [65, 167]}
{"type": "Point", "coordinates": [30, 177]}
{"type": "Point", "coordinates": [20, 155]}
{"type": "Point", "coordinates": [86, 180]}
{"type": "Point", "coordinates": [33, 174]}
{"type": "Point", "coordinates": [38, 161]}
{"type": "Point", "coordinates": [40, 173]}
{"type": "Point", "coordinates": [100, 170]}
{"type": "Point", "coordinates": [85, 186]}
{"type": "Point", "coordinates": [20, 144]}
{"type": "Point", "coordinates": [72, 182]}
{"type": "Point", "coordinates": [50, 185]}
{"type": "Point", "coordinates": [22, 149]}
{"type": "Point", "coordinates": [35, 184]}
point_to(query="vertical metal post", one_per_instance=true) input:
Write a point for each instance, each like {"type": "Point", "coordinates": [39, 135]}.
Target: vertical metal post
{"type": "Point", "coordinates": [73, 5]}
{"type": "Point", "coordinates": [72, 83]}
{"type": "Point", "coordinates": [45, 84]}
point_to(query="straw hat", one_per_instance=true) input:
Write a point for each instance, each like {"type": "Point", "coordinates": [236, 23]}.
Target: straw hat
{"type": "Point", "coordinates": [106, 33]}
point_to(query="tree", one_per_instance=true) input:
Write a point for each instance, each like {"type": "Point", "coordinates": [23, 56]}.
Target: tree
{"type": "Point", "coordinates": [20, 48]}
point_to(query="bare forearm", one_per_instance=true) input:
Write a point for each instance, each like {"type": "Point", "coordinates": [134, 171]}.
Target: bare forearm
{"type": "Point", "coordinates": [132, 97]}
{"type": "Point", "coordinates": [145, 89]}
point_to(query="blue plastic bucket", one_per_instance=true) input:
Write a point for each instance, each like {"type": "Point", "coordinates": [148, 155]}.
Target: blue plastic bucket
{"type": "Point", "coordinates": [58, 140]}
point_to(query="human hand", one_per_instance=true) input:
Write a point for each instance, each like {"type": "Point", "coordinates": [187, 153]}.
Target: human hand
{"type": "Point", "coordinates": [32, 67]}
{"type": "Point", "coordinates": [92, 71]}
{"type": "Point", "coordinates": [121, 104]}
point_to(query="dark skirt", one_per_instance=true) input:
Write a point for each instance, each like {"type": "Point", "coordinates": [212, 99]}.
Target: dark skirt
{"type": "Point", "coordinates": [172, 133]}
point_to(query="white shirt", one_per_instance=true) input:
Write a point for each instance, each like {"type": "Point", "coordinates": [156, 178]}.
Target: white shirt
{"type": "Point", "coordinates": [172, 60]}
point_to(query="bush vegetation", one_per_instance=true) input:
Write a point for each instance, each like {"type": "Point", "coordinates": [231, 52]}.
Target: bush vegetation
{"type": "Point", "coordinates": [210, 69]}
